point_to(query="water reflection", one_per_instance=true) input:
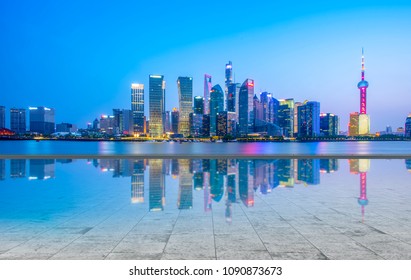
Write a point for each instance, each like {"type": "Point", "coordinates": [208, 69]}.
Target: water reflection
{"type": "Point", "coordinates": [223, 181]}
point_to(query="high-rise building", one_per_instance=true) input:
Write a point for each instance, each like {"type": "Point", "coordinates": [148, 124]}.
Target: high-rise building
{"type": "Point", "coordinates": [364, 119]}
{"type": "Point", "coordinates": [198, 105]}
{"type": "Point", "coordinates": [226, 123]}
{"type": "Point", "coordinates": [216, 105]}
{"type": "Point", "coordinates": [137, 108]}
{"type": "Point", "coordinates": [18, 120]}
{"type": "Point", "coordinates": [205, 132]}
{"type": "Point", "coordinates": [127, 122]}
{"type": "Point", "coordinates": [207, 89]}
{"type": "Point", "coordinates": [329, 124]}
{"type": "Point", "coordinates": [175, 115]}
{"type": "Point", "coordinates": [296, 105]}
{"type": "Point", "coordinates": [228, 81]}
{"type": "Point", "coordinates": [2, 117]}
{"type": "Point", "coordinates": [353, 129]}
{"type": "Point", "coordinates": [196, 124]}
{"type": "Point", "coordinates": [107, 124]}
{"type": "Point", "coordinates": [309, 119]}
{"type": "Point", "coordinates": [408, 126]}
{"type": "Point", "coordinates": [286, 116]}
{"type": "Point", "coordinates": [42, 120]}
{"type": "Point", "coordinates": [167, 124]}
{"type": "Point", "coordinates": [157, 87]}
{"type": "Point", "coordinates": [245, 110]}
{"type": "Point", "coordinates": [66, 127]}
{"type": "Point", "coordinates": [185, 100]}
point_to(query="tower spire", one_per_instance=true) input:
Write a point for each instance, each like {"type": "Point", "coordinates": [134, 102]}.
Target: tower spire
{"type": "Point", "coordinates": [362, 65]}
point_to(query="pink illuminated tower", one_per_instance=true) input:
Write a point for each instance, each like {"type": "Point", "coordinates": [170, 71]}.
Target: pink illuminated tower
{"type": "Point", "coordinates": [364, 119]}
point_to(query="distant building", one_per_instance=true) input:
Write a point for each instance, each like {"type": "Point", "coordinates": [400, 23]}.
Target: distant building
{"type": "Point", "coordinates": [329, 124]}
{"type": "Point", "coordinates": [286, 116]}
{"type": "Point", "coordinates": [226, 123]}
{"type": "Point", "coordinates": [198, 105]}
{"type": "Point", "coordinates": [207, 89]}
{"type": "Point", "coordinates": [228, 82]}
{"type": "Point", "coordinates": [137, 108]}
{"type": "Point", "coordinates": [175, 116]}
{"type": "Point", "coordinates": [66, 127]}
{"type": "Point", "coordinates": [107, 124]}
{"type": "Point", "coordinates": [196, 124]}
{"type": "Point", "coordinates": [309, 119]}
{"type": "Point", "coordinates": [18, 120]}
{"type": "Point", "coordinates": [205, 132]}
{"type": "Point", "coordinates": [96, 124]}
{"type": "Point", "coordinates": [353, 129]}
{"type": "Point", "coordinates": [296, 105]}
{"type": "Point", "coordinates": [157, 87]}
{"type": "Point", "coordinates": [408, 126]}
{"type": "Point", "coordinates": [127, 123]}
{"type": "Point", "coordinates": [42, 120]}
{"type": "Point", "coordinates": [185, 100]}
{"type": "Point", "coordinates": [167, 122]}
{"type": "Point", "coordinates": [245, 110]}
{"type": "Point", "coordinates": [216, 105]}
{"type": "Point", "coordinates": [2, 117]}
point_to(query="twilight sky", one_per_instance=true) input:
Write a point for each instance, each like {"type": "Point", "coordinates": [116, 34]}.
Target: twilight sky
{"type": "Point", "coordinates": [80, 57]}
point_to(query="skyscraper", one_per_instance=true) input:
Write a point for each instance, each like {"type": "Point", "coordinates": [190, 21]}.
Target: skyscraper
{"type": "Point", "coordinates": [353, 124]}
{"type": "Point", "coordinates": [2, 117]}
{"type": "Point", "coordinates": [329, 124]}
{"type": "Point", "coordinates": [174, 120]}
{"type": "Point", "coordinates": [137, 108]}
{"type": "Point", "coordinates": [228, 80]}
{"type": "Point", "coordinates": [216, 105]}
{"type": "Point", "coordinates": [364, 119]}
{"type": "Point", "coordinates": [42, 120]}
{"type": "Point", "coordinates": [286, 116]}
{"type": "Point", "coordinates": [198, 105]}
{"type": "Point", "coordinates": [157, 87]}
{"type": "Point", "coordinates": [245, 110]}
{"type": "Point", "coordinates": [185, 100]}
{"type": "Point", "coordinates": [207, 89]}
{"type": "Point", "coordinates": [309, 119]}
{"type": "Point", "coordinates": [408, 126]}
{"type": "Point", "coordinates": [18, 120]}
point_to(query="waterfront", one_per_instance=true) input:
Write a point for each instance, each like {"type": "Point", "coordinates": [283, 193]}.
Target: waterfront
{"type": "Point", "coordinates": [205, 208]}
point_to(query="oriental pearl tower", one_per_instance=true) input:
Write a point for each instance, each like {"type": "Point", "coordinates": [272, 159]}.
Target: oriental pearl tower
{"type": "Point", "coordinates": [364, 119]}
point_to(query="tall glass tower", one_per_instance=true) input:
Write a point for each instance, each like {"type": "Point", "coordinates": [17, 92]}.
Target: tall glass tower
{"type": "Point", "coordinates": [245, 110]}
{"type": "Point", "coordinates": [207, 90]}
{"type": "Point", "coordinates": [157, 88]}
{"type": "Point", "coordinates": [18, 120]}
{"type": "Point", "coordinates": [137, 107]}
{"type": "Point", "coordinates": [216, 106]}
{"type": "Point", "coordinates": [185, 100]}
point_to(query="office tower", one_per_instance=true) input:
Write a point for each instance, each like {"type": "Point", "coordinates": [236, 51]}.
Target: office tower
{"type": "Point", "coordinates": [198, 105]}
{"type": "Point", "coordinates": [118, 121]}
{"type": "Point", "coordinates": [245, 110]}
{"type": "Point", "coordinates": [96, 124]}
{"type": "Point", "coordinates": [157, 88]}
{"type": "Point", "coordinates": [309, 119]}
{"type": "Point", "coordinates": [167, 123]}
{"type": "Point", "coordinates": [2, 117]}
{"type": "Point", "coordinates": [205, 132]}
{"type": "Point", "coordinates": [175, 115]}
{"type": "Point", "coordinates": [156, 185]}
{"type": "Point", "coordinates": [42, 120]}
{"type": "Point", "coordinates": [226, 123]}
{"type": "Point", "coordinates": [42, 169]}
{"type": "Point", "coordinates": [185, 190]}
{"type": "Point", "coordinates": [137, 107]}
{"type": "Point", "coordinates": [216, 105]}
{"type": "Point", "coordinates": [185, 101]}
{"type": "Point", "coordinates": [286, 116]}
{"type": "Point", "coordinates": [137, 181]}
{"type": "Point", "coordinates": [329, 124]}
{"type": "Point", "coordinates": [66, 127]}
{"type": "Point", "coordinates": [364, 119]}
{"type": "Point", "coordinates": [296, 105]}
{"type": "Point", "coordinates": [196, 124]}
{"type": "Point", "coordinates": [17, 168]}
{"type": "Point", "coordinates": [408, 126]}
{"type": "Point", "coordinates": [127, 122]}
{"type": "Point", "coordinates": [228, 81]}
{"type": "Point", "coordinates": [107, 124]}
{"type": "Point", "coordinates": [18, 120]}
{"type": "Point", "coordinates": [207, 89]}
{"type": "Point", "coordinates": [353, 129]}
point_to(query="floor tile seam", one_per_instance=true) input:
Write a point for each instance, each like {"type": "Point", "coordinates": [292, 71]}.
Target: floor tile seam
{"type": "Point", "coordinates": [81, 235]}
{"type": "Point", "coordinates": [259, 237]}
{"type": "Point", "coordinates": [214, 234]}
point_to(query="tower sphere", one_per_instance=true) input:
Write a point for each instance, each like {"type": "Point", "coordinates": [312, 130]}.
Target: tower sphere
{"type": "Point", "coordinates": [362, 84]}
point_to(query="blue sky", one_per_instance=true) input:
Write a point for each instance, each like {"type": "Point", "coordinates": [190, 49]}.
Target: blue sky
{"type": "Point", "coordinates": [80, 57]}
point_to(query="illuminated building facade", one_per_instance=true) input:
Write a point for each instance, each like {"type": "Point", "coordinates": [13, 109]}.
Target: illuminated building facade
{"type": "Point", "coordinates": [364, 119]}
{"type": "Point", "coordinates": [216, 105]}
{"type": "Point", "coordinates": [137, 108]}
{"type": "Point", "coordinates": [286, 116]}
{"type": "Point", "coordinates": [157, 87]}
{"type": "Point", "coordinates": [185, 100]}
{"type": "Point", "coordinates": [245, 110]}
{"type": "Point", "coordinates": [353, 129]}
{"type": "Point", "coordinates": [309, 119]}
{"type": "Point", "coordinates": [175, 116]}
{"type": "Point", "coordinates": [207, 89]}
{"type": "Point", "coordinates": [329, 124]}
{"type": "Point", "coordinates": [42, 120]}
{"type": "Point", "coordinates": [198, 105]}
{"type": "Point", "coordinates": [18, 120]}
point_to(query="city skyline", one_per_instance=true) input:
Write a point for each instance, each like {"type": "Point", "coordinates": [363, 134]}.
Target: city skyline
{"type": "Point", "coordinates": [277, 55]}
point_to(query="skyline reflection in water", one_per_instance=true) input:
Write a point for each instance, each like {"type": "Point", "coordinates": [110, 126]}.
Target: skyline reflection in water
{"type": "Point", "coordinates": [220, 181]}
